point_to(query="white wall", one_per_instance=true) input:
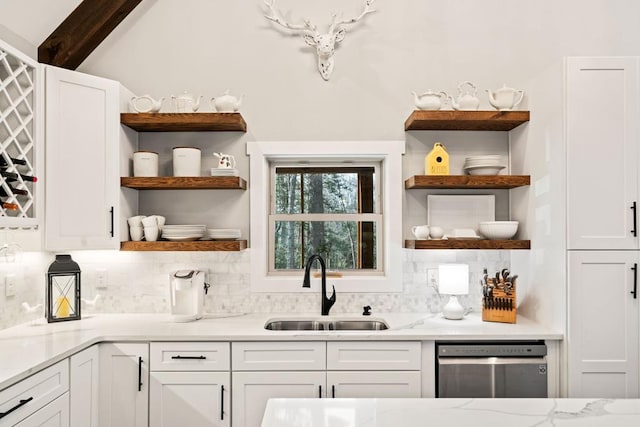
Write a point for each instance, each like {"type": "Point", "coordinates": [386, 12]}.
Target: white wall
{"type": "Point", "coordinates": [163, 48]}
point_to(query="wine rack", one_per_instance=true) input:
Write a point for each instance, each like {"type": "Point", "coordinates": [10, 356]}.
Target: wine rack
{"type": "Point", "coordinates": [19, 133]}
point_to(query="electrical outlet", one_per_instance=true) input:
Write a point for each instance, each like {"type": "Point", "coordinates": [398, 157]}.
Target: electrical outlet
{"type": "Point", "coordinates": [432, 277]}
{"type": "Point", "coordinates": [101, 278]}
{"type": "Point", "coordinates": [10, 285]}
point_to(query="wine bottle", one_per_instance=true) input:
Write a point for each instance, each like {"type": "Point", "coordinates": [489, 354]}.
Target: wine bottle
{"type": "Point", "coordinates": [11, 176]}
{"type": "Point", "coordinates": [13, 191]}
{"type": "Point", "coordinates": [4, 163]}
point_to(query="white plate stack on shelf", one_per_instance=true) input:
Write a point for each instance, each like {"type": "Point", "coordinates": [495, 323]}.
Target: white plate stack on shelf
{"type": "Point", "coordinates": [223, 233]}
{"type": "Point", "coordinates": [183, 232]}
{"type": "Point", "coordinates": [224, 172]}
{"type": "Point", "coordinates": [490, 164]}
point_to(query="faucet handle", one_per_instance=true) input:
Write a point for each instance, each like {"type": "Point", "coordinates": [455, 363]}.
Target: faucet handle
{"type": "Point", "coordinates": [333, 295]}
{"type": "Point", "coordinates": [367, 310]}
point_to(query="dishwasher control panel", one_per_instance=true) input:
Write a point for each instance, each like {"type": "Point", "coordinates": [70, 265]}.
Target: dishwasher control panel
{"type": "Point", "coordinates": [491, 349]}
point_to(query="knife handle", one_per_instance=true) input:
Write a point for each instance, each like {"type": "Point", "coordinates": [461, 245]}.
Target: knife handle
{"type": "Point", "coordinates": [634, 292]}
{"type": "Point", "coordinates": [635, 219]}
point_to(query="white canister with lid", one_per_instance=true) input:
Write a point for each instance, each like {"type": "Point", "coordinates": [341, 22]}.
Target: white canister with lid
{"type": "Point", "coordinates": [145, 163]}
{"type": "Point", "coordinates": [186, 161]}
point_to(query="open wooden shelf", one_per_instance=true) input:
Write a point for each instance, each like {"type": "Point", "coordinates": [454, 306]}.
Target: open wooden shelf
{"type": "Point", "coordinates": [184, 183]}
{"type": "Point", "coordinates": [465, 120]}
{"type": "Point", "coordinates": [467, 244]}
{"type": "Point", "coordinates": [184, 122]}
{"type": "Point", "coordinates": [467, 181]}
{"type": "Point", "coordinates": [198, 245]}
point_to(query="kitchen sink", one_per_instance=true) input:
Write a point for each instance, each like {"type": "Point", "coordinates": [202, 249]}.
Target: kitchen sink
{"type": "Point", "coordinates": [295, 325]}
{"type": "Point", "coordinates": [326, 325]}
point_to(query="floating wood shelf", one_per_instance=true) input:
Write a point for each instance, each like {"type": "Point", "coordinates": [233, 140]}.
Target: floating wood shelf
{"type": "Point", "coordinates": [184, 122]}
{"type": "Point", "coordinates": [184, 183]}
{"type": "Point", "coordinates": [198, 245]}
{"type": "Point", "coordinates": [467, 244]}
{"type": "Point", "coordinates": [467, 181]}
{"type": "Point", "coordinates": [465, 120]}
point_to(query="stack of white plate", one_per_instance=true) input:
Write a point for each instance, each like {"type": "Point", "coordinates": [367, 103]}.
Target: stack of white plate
{"type": "Point", "coordinates": [183, 232]}
{"type": "Point", "coordinates": [223, 233]}
{"type": "Point", "coordinates": [489, 164]}
{"type": "Point", "coordinates": [224, 172]}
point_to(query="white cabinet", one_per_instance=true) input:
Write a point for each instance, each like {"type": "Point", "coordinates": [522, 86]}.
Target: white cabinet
{"type": "Point", "coordinates": [84, 386]}
{"type": "Point", "coordinates": [55, 414]}
{"type": "Point", "coordinates": [194, 399]}
{"type": "Point", "coordinates": [82, 165]}
{"type": "Point", "coordinates": [190, 384]}
{"type": "Point", "coordinates": [252, 390]}
{"type": "Point", "coordinates": [603, 325]}
{"type": "Point", "coordinates": [124, 387]}
{"type": "Point", "coordinates": [602, 107]}
{"type": "Point", "coordinates": [265, 370]}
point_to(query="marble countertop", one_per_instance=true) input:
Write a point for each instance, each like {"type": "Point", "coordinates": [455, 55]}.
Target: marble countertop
{"type": "Point", "coordinates": [30, 347]}
{"type": "Point", "coordinates": [451, 412]}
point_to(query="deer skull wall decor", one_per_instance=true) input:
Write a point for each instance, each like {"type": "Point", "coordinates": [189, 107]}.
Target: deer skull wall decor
{"type": "Point", "coordinates": [325, 43]}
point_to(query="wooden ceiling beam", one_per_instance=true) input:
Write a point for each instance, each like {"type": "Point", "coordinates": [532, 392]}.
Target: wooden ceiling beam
{"type": "Point", "coordinates": [82, 31]}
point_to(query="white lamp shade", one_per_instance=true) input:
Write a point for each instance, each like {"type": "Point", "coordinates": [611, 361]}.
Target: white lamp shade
{"type": "Point", "coordinates": [453, 279]}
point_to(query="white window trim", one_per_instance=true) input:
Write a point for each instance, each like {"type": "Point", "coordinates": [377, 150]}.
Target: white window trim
{"type": "Point", "coordinates": [388, 152]}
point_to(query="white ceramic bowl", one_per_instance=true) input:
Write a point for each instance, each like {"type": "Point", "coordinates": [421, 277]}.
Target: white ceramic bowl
{"type": "Point", "coordinates": [496, 230]}
{"type": "Point", "coordinates": [483, 170]}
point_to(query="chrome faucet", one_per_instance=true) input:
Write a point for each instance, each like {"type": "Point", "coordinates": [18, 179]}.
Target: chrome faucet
{"type": "Point", "coordinates": [327, 303]}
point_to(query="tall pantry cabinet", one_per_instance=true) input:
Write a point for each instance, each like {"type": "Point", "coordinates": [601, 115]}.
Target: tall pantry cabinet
{"type": "Point", "coordinates": [603, 197]}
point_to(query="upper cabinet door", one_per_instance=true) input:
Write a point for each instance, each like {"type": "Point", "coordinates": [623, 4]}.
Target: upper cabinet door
{"type": "Point", "coordinates": [82, 128]}
{"type": "Point", "coordinates": [602, 98]}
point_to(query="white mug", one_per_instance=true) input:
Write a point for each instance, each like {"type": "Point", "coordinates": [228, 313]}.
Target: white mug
{"type": "Point", "coordinates": [151, 234]}
{"type": "Point", "coordinates": [420, 231]}
{"type": "Point", "coordinates": [160, 220]}
{"type": "Point", "coordinates": [136, 221]}
{"type": "Point", "coordinates": [136, 233]}
{"type": "Point", "coordinates": [150, 221]}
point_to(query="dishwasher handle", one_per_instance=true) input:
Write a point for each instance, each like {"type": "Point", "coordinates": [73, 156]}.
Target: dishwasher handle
{"type": "Point", "coordinates": [490, 360]}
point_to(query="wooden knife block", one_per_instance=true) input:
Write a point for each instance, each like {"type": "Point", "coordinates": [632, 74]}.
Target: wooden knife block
{"type": "Point", "coordinates": [491, 311]}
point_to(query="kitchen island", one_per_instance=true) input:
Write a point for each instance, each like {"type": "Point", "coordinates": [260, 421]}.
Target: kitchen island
{"type": "Point", "coordinates": [451, 412]}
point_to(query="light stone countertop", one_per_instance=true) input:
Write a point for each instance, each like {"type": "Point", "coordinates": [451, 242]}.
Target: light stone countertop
{"type": "Point", "coordinates": [451, 412]}
{"type": "Point", "coordinates": [31, 347]}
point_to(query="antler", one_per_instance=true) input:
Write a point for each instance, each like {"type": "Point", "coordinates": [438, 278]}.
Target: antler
{"type": "Point", "coordinates": [367, 9]}
{"type": "Point", "coordinates": [275, 17]}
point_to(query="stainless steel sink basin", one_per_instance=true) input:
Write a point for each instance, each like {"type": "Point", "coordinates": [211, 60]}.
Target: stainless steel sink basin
{"type": "Point", "coordinates": [324, 325]}
{"type": "Point", "coordinates": [295, 325]}
{"type": "Point", "coordinates": [357, 325]}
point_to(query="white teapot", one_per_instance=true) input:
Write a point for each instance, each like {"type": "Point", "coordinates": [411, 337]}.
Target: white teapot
{"type": "Point", "coordinates": [420, 231]}
{"type": "Point", "coordinates": [226, 103]}
{"type": "Point", "coordinates": [467, 99]}
{"type": "Point", "coordinates": [186, 103]}
{"type": "Point", "coordinates": [225, 161]}
{"type": "Point", "coordinates": [146, 104]}
{"type": "Point", "coordinates": [430, 100]}
{"type": "Point", "coordinates": [505, 98]}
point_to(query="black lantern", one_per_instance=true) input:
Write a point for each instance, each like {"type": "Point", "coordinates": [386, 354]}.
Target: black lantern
{"type": "Point", "coordinates": [63, 290]}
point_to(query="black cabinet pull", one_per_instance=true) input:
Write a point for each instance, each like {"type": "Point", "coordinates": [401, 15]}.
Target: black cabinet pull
{"type": "Point", "coordinates": [112, 229]}
{"type": "Point", "coordinates": [221, 402]}
{"type": "Point", "coordinates": [635, 220]}
{"type": "Point", "coordinates": [20, 404]}
{"type": "Point", "coordinates": [320, 391]}
{"type": "Point", "coordinates": [634, 292]}
{"type": "Point", "coordinates": [189, 357]}
{"type": "Point", "coordinates": [333, 391]}
{"type": "Point", "coordinates": [139, 373]}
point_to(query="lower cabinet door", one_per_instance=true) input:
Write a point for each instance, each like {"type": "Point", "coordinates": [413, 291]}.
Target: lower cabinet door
{"type": "Point", "coordinates": [374, 384]}
{"type": "Point", "coordinates": [252, 390]}
{"type": "Point", "coordinates": [83, 385]}
{"type": "Point", "coordinates": [55, 414]}
{"type": "Point", "coordinates": [193, 399]}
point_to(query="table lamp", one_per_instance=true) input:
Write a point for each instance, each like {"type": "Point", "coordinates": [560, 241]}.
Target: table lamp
{"type": "Point", "coordinates": [453, 279]}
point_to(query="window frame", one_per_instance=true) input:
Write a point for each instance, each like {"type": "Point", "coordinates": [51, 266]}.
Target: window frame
{"type": "Point", "coordinates": [388, 153]}
{"type": "Point", "coordinates": [376, 217]}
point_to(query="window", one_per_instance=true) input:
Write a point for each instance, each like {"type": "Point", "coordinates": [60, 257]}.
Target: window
{"type": "Point", "coordinates": [332, 210]}
{"type": "Point", "coordinates": [342, 200]}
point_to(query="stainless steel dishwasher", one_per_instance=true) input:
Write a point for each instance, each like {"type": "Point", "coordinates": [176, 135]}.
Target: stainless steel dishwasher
{"type": "Point", "coordinates": [491, 369]}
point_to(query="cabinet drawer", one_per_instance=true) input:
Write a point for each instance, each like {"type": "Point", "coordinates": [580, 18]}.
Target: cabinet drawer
{"type": "Point", "coordinates": [190, 356]}
{"type": "Point", "coordinates": [33, 393]}
{"type": "Point", "coordinates": [373, 355]}
{"type": "Point", "coordinates": [279, 356]}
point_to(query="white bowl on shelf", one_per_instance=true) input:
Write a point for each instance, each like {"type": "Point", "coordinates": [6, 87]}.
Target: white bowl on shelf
{"type": "Point", "coordinates": [498, 230]}
{"type": "Point", "coordinates": [483, 170]}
